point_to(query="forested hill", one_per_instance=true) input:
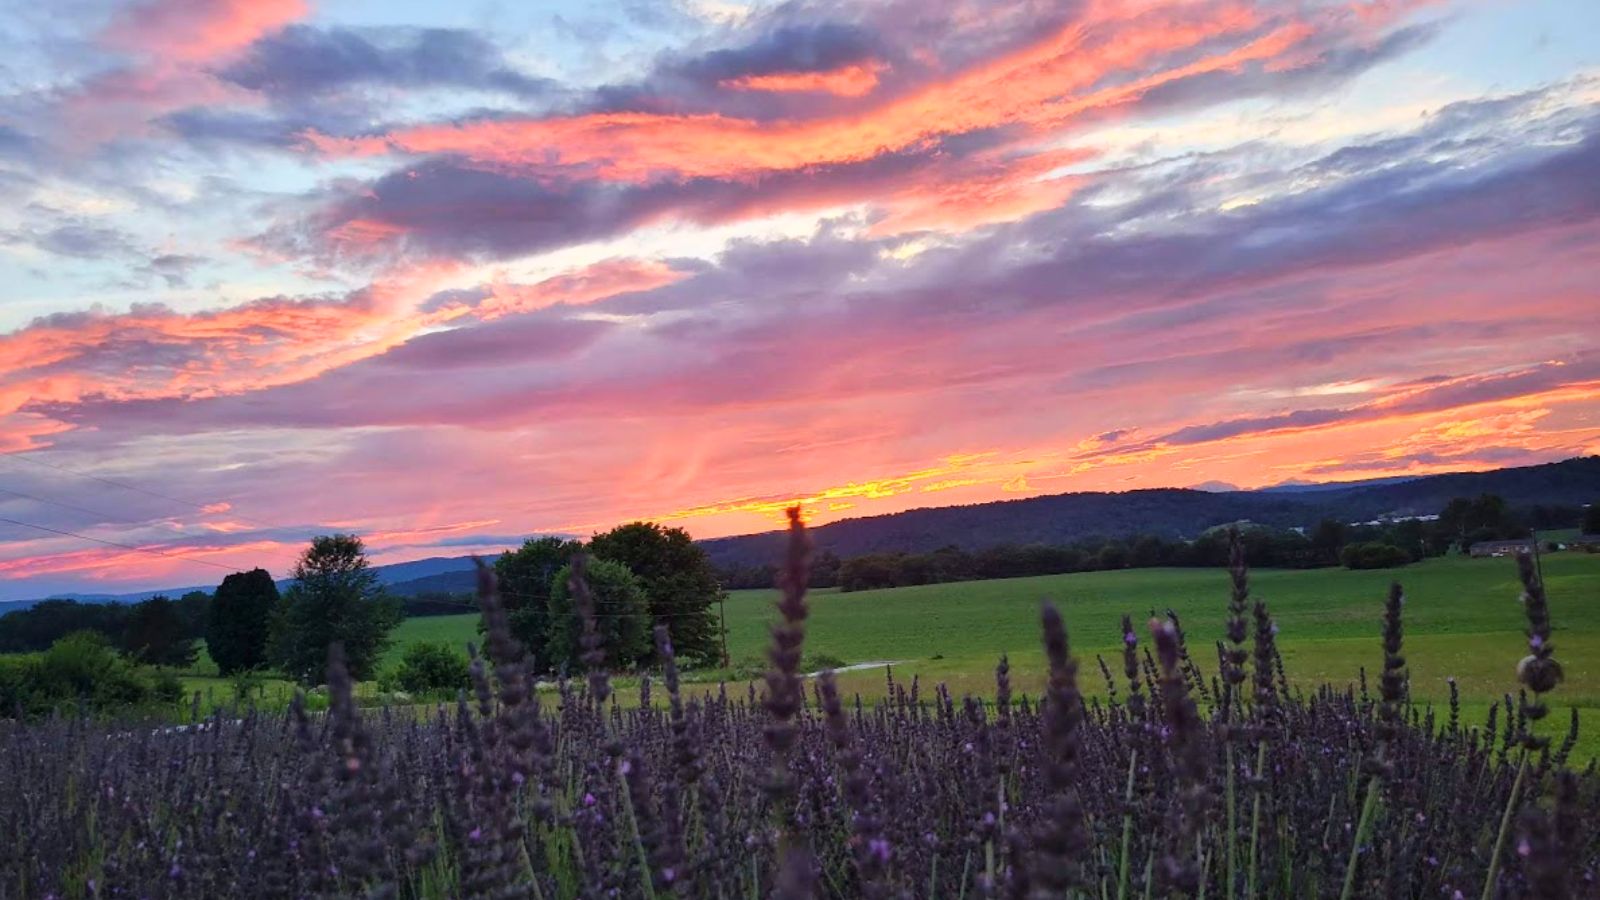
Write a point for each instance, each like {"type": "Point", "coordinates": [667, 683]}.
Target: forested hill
{"type": "Point", "coordinates": [1065, 518]}
{"type": "Point", "coordinates": [1168, 512]}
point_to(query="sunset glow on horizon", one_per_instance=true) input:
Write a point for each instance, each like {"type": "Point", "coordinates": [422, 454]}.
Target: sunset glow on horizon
{"type": "Point", "coordinates": [450, 276]}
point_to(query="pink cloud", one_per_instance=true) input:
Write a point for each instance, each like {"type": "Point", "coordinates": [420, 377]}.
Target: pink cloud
{"type": "Point", "coordinates": [196, 31]}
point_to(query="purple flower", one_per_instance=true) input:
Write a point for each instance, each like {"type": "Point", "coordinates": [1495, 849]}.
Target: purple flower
{"type": "Point", "coordinates": [879, 848]}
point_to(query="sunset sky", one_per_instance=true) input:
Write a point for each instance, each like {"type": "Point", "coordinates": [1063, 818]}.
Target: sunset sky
{"type": "Point", "coordinates": [447, 275]}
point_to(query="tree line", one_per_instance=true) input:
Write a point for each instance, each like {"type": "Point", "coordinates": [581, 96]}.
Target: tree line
{"type": "Point", "coordinates": [1463, 522]}
{"type": "Point", "coordinates": [639, 574]}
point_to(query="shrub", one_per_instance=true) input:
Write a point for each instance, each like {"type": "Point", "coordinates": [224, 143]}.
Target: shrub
{"type": "Point", "coordinates": [817, 662]}
{"type": "Point", "coordinates": [1373, 555]}
{"type": "Point", "coordinates": [432, 668]}
{"type": "Point", "coordinates": [81, 672]}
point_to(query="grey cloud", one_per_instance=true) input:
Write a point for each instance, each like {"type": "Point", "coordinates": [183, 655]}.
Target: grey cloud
{"type": "Point", "coordinates": [302, 60]}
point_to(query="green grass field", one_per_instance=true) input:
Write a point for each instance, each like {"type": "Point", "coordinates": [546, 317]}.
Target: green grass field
{"type": "Point", "coordinates": [1462, 620]}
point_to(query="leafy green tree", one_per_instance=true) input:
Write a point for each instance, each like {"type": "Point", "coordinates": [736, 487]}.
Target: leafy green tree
{"type": "Point", "coordinates": [679, 581]}
{"type": "Point", "coordinates": [1591, 519]}
{"type": "Point", "coordinates": [239, 621]}
{"type": "Point", "coordinates": [525, 576]}
{"type": "Point", "coordinates": [335, 597]}
{"type": "Point", "coordinates": [193, 608]}
{"type": "Point", "coordinates": [622, 615]}
{"type": "Point", "coordinates": [155, 634]}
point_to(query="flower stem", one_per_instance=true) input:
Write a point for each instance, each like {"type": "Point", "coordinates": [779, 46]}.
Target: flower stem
{"type": "Point", "coordinates": [1255, 822]}
{"type": "Point", "coordinates": [1368, 810]}
{"type": "Point", "coordinates": [1127, 830]}
{"type": "Point", "coordinates": [1505, 828]}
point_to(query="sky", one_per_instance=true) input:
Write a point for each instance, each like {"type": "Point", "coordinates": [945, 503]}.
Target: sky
{"type": "Point", "coordinates": [449, 275]}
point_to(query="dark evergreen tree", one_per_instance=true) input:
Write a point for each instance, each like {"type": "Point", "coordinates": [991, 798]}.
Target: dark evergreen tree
{"type": "Point", "coordinates": [335, 598]}
{"type": "Point", "coordinates": [1591, 519]}
{"type": "Point", "coordinates": [678, 579]}
{"type": "Point", "coordinates": [239, 619]}
{"type": "Point", "coordinates": [155, 635]}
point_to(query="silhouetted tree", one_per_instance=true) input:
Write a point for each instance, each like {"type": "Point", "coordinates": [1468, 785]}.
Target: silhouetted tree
{"type": "Point", "coordinates": [239, 620]}
{"type": "Point", "coordinates": [1591, 519]}
{"type": "Point", "coordinates": [192, 609]}
{"type": "Point", "coordinates": [824, 571]}
{"type": "Point", "coordinates": [44, 623]}
{"type": "Point", "coordinates": [1328, 538]}
{"type": "Point", "coordinates": [525, 575]}
{"type": "Point", "coordinates": [154, 634]}
{"type": "Point", "coordinates": [335, 597]}
{"type": "Point", "coordinates": [1482, 518]}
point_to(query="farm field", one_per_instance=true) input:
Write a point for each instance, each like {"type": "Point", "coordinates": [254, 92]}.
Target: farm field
{"type": "Point", "coordinates": [1462, 620]}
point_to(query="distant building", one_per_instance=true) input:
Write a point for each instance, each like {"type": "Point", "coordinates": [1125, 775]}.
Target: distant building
{"type": "Point", "coordinates": [1501, 548]}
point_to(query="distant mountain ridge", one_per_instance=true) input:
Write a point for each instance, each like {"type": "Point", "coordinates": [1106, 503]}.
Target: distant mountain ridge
{"type": "Point", "coordinates": [1170, 512]}
{"type": "Point", "coordinates": [1063, 518]}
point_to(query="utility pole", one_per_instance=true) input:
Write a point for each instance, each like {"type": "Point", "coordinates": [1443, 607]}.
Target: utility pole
{"type": "Point", "coordinates": [722, 613]}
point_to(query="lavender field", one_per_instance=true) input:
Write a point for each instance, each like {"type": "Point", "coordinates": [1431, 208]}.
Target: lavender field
{"type": "Point", "coordinates": [1175, 787]}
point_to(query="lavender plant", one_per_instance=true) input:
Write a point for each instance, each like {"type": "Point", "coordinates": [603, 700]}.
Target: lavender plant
{"type": "Point", "coordinates": [519, 792]}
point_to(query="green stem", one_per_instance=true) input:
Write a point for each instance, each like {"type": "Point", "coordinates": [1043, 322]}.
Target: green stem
{"type": "Point", "coordinates": [1149, 869]}
{"type": "Point", "coordinates": [638, 842]}
{"type": "Point", "coordinates": [1127, 830]}
{"type": "Point", "coordinates": [1368, 810]}
{"type": "Point", "coordinates": [1505, 828]}
{"type": "Point", "coordinates": [1255, 821]}
{"type": "Point", "coordinates": [1233, 828]}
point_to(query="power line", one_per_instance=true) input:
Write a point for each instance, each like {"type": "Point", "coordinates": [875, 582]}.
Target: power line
{"type": "Point", "coordinates": [136, 489]}
{"type": "Point", "coordinates": [82, 509]}
{"type": "Point", "coordinates": [85, 537]}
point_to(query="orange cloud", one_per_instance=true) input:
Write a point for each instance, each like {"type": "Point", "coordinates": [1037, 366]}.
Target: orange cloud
{"type": "Point", "coordinates": [846, 81]}
{"type": "Point", "coordinates": [248, 347]}
{"type": "Point", "coordinates": [577, 287]}
{"type": "Point", "coordinates": [1041, 87]}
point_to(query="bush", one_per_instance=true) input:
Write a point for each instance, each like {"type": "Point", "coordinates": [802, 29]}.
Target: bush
{"type": "Point", "coordinates": [1373, 555]}
{"type": "Point", "coordinates": [432, 668]}
{"type": "Point", "coordinates": [817, 662]}
{"type": "Point", "coordinates": [80, 672]}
